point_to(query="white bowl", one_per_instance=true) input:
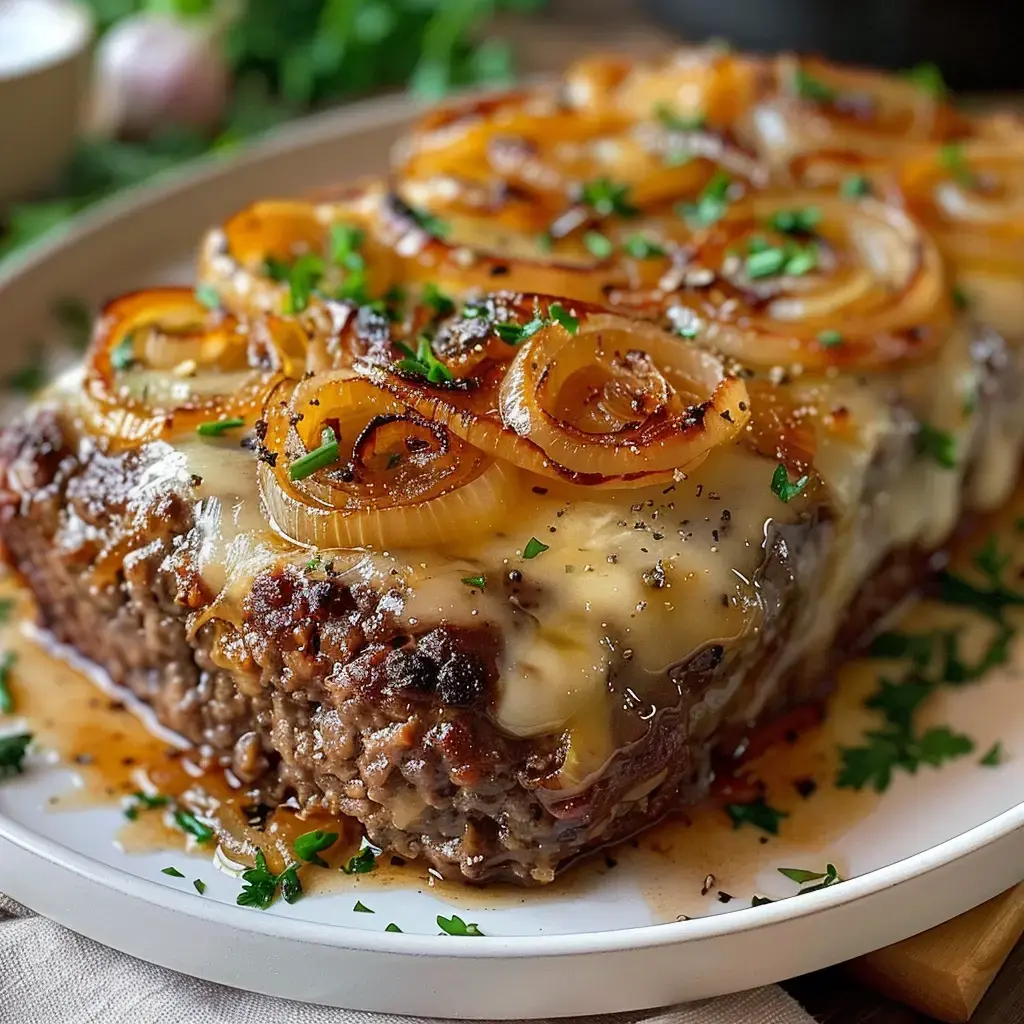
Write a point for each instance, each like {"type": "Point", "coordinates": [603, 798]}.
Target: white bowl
{"type": "Point", "coordinates": [44, 60]}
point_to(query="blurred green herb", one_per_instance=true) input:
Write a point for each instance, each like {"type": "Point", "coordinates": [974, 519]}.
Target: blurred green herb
{"type": "Point", "coordinates": [285, 59]}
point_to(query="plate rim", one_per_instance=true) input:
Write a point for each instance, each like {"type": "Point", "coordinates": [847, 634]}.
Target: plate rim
{"type": "Point", "coordinates": [280, 926]}
{"type": "Point", "coordinates": [309, 131]}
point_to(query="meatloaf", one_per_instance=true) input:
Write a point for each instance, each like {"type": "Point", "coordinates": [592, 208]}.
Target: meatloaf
{"type": "Point", "coordinates": [492, 543]}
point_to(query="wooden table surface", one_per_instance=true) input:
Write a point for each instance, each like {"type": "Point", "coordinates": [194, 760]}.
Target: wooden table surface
{"type": "Point", "coordinates": [547, 42]}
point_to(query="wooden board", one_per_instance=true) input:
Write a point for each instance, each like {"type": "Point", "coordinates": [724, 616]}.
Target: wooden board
{"type": "Point", "coordinates": [946, 971]}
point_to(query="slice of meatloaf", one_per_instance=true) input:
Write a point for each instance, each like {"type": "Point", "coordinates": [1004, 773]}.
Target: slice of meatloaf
{"type": "Point", "coordinates": [450, 721]}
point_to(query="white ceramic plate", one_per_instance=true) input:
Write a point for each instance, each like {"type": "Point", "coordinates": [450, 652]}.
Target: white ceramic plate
{"type": "Point", "coordinates": [932, 847]}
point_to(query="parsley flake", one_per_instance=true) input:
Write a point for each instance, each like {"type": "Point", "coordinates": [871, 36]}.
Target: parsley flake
{"type": "Point", "coordinates": [855, 186]}
{"type": "Point", "coordinates": [783, 489]}
{"type": "Point", "coordinates": [261, 885]}
{"type": "Point", "coordinates": [952, 158]}
{"type": "Point", "coordinates": [711, 204]}
{"type": "Point", "coordinates": [928, 76]}
{"type": "Point", "coordinates": [304, 277]}
{"type": "Point", "coordinates": [190, 824]}
{"type": "Point", "coordinates": [534, 548]}
{"type": "Point", "coordinates": [423, 363]}
{"type": "Point", "coordinates": [798, 221]}
{"type": "Point", "coordinates": [200, 886]}
{"type": "Point", "coordinates": [598, 245]}
{"type": "Point", "coordinates": [454, 925]}
{"type": "Point", "coordinates": [122, 355]}
{"type": "Point", "coordinates": [393, 928]}
{"type": "Point", "coordinates": [437, 300]}
{"type": "Point", "coordinates": [309, 846]}
{"type": "Point", "coordinates": [679, 123]}
{"type": "Point", "coordinates": [362, 863]}
{"type": "Point", "coordinates": [361, 908]}
{"type": "Point", "coordinates": [560, 315]}
{"type": "Point", "coordinates": [605, 198]}
{"type": "Point", "coordinates": [799, 875]}
{"type": "Point", "coordinates": [475, 581]}
{"type": "Point", "coordinates": [814, 89]}
{"type": "Point", "coordinates": [319, 458]}
{"type": "Point", "coordinates": [12, 753]}
{"type": "Point", "coordinates": [993, 756]}
{"type": "Point", "coordinates": [215, 428]}
{"type": "Point", "coordinates": [140, 801]}
{"type": "Point", "coordinates": [757, 813]}
{"type": "Point", "coordinates": [641, 248]}
{"type": "Point", "coordinates": [936, 444]}
{"type": "Point", "coordinates": [7, 659]}
{"type": "Point", "coordinates": [206, 295]}
{"type": "Point", "coordinates": [830, 339]}
{"type": "Point", "coordinates": [173, 872]}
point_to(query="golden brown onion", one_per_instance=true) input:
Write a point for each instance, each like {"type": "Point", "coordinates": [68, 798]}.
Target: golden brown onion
{"type": "Point", "coordinates": [591, 398]}
{"type": "Point", "coordinates": [970, 197]}
{"type": "Point", "coordinates": [390, 477]}
{"type": "Point", "coordinates": [810, 280]}
{"type": "Point", "coordinates": [161, 363]}
{"type": "Point", "coordinates": [813, 106]}
{"type": "Point", "coordinates": [288, 256]}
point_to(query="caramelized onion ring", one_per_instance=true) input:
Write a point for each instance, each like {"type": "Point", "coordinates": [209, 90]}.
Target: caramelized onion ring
{"type": "Point", "coordinates": [400, 479]}
{"type": "Point", "coordinates": [236, 260]}
{"type": "Point", "coordinates": [971, 200]}
{"type": "Point", "coordinates": [873, 295]}
{"type": "Point", "coordinates": [162, 363]}
{"type": "Point", "coordinates": [683, 402]}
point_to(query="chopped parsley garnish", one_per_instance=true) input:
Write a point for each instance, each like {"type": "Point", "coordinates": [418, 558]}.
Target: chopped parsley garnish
{"type": "Point", "coordinates": [830, 338]}
{"type": "Point", "coordinates": [362, 863]}
{"type": "Point", "coordinates": [936, 444]}
{"type": "Point", "coordinates": [824, 878]}
{"type": "Point", "coordinates": [598, 245]}
{"type": "Point", "coordinates": [855, 186]}
{"type": "Point", "coordinates": [475, 581]}
{"type": "Point", "coordinates": [319, 458]}
{"type": "Point", "coordinates": [993, 757]}
{"type": "Point", "coordinates": [711, 204]}
{"type": "Point", "coordinates": [456, 926]}
{"type": "Point", "coordinates": [516, 334]}
{"type": "Point", "coordinates": [989, 601]}
{"type": "Point", "coordinates": [810, 88]}
{"type": "Point", "coordinates": [12, 753]}
{"type": "Point", "coordinates": [309, 846]}
{"type": "Point", "coordinates": [679, 123]}
{"type": "Point", "coordinates": [935, 660]}
{"type": "Point", "coordinates": [206, 295]}
{"type": "Point", "coordinates": [959, 297]}
{"type": "Point", "coordinates": [791, 259]}
{"type": "Point", "coordinates": [140, 801]}
{"type": "Point", "coordinates": [31, 377]}
{"type": "Point", "coordinates": [200, 886]}
{"type": "Point", "coordinates": [344, 242]}
{"type": "Point", "coordinates": [560, 315]}
{"type": "Point", "coordinates": [262, 885]}
{"type": "Point", "coordinates": [952, 158]}
{"type": "Point", "coordinates": [605, 198]}
{"type": "Point", "coordinates": [6, 607]}
{"type": "Point", "coordinates": [304, 277]}
{"type": "Point", "coordinates": [757, 813]}
{"type": "Point", "coordinates": [427, 222]}
{"type": "Point", "coordinates": [799, 875]}
{"type": "Point", "coordinates": [782, 488]}
{"type": "Point", "coordinates": [641, 248]}
{"type": "Point", "coordinates": [928, 76]}
{"type": "Point", "coordinates": [315, 563]}
{"type": "Point", "coordinates": [798, 221]}
{"type": "Point", "coordinates": [437, 300]}
{"type": "Point", "coordinates": [276, 269]}
{"type": "Point", "coordinates": [423, 363]}
{"type": "Point", "coordinates": [173, 872]}
{"type": "Point", "coordinates": [122, 355]}
{"type": "Point", "coordinates": [214, 428]}
{"type": "Point", "coordinates": [760, 901]}
{"type": "Point", "coordinates": [7, 659]}
{"type": "Point", "coordinates": [393, 928]}
{"type": "Point", "coordinates": [534, 548]}
{"type": "Point", "coordinates": [189, 823]}
{"type": "Point", "coordinates": [361, 908]}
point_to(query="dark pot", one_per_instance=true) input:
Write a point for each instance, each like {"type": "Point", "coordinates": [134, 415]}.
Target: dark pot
{"type": "Point", "coordinates": [976, 43]}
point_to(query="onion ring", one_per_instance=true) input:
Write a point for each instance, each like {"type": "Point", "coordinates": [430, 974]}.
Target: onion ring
{"type": "Point", "coordinates": [396, 478]}
{"type": "Point", "coordinates": [161, 363]}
